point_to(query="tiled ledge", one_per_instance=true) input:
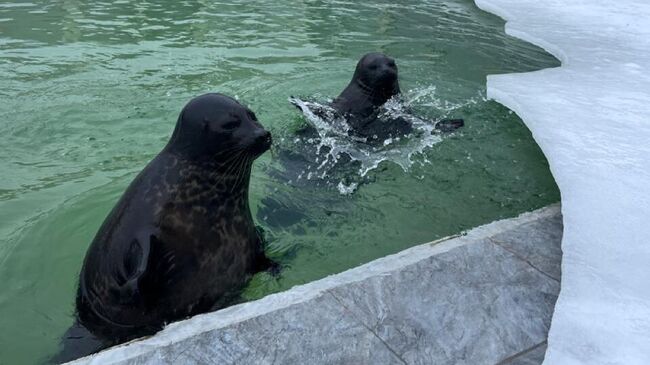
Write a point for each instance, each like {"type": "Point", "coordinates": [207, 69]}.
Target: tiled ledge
{"type": "Point", "coordinates": [485, 297]}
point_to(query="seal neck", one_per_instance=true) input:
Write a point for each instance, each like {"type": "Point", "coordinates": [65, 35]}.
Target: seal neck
{"type": "Point", "coordinates": [216, 178]}
{"type": "Point", "coordinates": [379, 95]}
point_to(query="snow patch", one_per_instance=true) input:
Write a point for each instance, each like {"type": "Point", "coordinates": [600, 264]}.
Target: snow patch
{"type": "Point", "coordinates": [591, 118]}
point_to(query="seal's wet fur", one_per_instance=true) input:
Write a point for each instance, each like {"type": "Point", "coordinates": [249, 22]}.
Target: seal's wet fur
{"type": "Point", "coordinates": [181, 240]}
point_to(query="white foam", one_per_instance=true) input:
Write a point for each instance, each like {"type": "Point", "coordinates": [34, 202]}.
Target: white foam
{"type": "Point", "coordinates": [403, 151]}
{"type": "Point", "coordinates": [347, 189]}
{"type": "Point", "coordinates": [591, 118]}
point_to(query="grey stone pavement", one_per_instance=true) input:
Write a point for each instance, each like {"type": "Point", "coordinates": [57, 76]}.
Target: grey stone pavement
{"type": "Point", "coordinates": [485, 297]}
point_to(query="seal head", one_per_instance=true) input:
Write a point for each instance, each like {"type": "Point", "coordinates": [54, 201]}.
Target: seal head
{"type": "Point", "coordinates": [213, 125]}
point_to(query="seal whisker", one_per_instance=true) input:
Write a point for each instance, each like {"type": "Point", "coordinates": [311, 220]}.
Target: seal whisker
{"type": "Point", "coordinates": [232, 168]}
{"type": "Point", "coordinates": [241, 171]}
{"type": "Point", "coordinates": [232, 162]}
{"type": "Point", "coordinates": [236, 166]}
{"type": "Point", "coordinates": [233, 155]}
{"type": "Point", "coordinates": [247, 166]}
{"type": "Point", "coordinates": [244, 171]}
{"type": "Point", "coordinates": [231, 150]}
{"type": "Point", "coordinates": [237, 170]}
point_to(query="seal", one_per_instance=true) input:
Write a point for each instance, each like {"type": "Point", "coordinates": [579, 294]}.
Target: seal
{"type": "Point", "coordinates": [181, 240]}
{"type": "Point", "coordinates": [374, 82]}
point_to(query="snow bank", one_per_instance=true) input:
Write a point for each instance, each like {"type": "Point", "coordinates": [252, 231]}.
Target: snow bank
{"type": "Point", "coordinates": [591, 117]}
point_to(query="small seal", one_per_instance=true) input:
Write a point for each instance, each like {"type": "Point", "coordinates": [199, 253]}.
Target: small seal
{"type": "Point", "coordinates": [375, 81]}
{"type": "Point", "coordinates": [181, 240]}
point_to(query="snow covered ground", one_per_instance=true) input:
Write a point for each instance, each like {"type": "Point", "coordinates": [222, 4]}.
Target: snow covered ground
{"type": "Point", "coordinates": [591, 117]}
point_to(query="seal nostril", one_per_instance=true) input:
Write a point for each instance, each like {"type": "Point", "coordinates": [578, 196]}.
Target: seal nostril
{"type": "Point", "coordinates": [264, 138]}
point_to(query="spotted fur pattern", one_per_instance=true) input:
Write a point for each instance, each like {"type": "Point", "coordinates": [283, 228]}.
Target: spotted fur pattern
{"type": "Point", "coordinates": [180, 241]}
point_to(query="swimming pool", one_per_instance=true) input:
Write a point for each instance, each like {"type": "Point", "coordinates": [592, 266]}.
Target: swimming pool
{"type": "Point", "coordinates": [91, 92]}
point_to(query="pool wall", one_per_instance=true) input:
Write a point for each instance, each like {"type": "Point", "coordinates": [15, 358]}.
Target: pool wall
{"type": "Point", "coordinates": [484, 297]}
{"type": "Point", "coordinates": [591, 118]}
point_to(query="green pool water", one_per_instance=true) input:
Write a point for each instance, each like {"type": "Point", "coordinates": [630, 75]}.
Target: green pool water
{"type": "Point", "coordinates": [90, 92]}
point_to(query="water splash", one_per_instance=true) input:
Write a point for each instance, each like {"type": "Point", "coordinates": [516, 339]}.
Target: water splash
{"type": "Point", "coordinates": [334, 142]}
{"type": "Point", "coordinates": [347, 189]}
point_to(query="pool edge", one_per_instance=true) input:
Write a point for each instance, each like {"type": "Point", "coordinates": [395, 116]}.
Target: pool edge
{"type": "Point", "coordinates": [335, 301]}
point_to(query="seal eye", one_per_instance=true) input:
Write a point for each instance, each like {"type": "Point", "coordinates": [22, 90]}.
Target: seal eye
{"type": "Point", "coordinates": [391, 63]}
{"type": "Point", "coordinates": [231, 125]}
{"type": "Point", "coordinates": [373, 67]}
{"type": "Point", "coordinates": [252, 115]}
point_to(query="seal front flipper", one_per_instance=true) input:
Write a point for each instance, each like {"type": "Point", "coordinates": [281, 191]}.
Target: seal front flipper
{"type": "Point", "coordinates": [130, 273]}
{"type": "Point", "coordinates": [296, 102]}
{"type": "Point", "coordinates": [449, 125]}
{"type": "Point", "coordinates": [150, 268]}
{"type": "Point", "coordinates": [262, 262]}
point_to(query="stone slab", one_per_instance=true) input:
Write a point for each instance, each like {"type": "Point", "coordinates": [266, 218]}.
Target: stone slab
{"type": "Point", "coordinates": [464, 300]}
{"type": "Point", "coordinates": [532, 356]}
{"type": "Point", "coordinates": [474, 305]}
{"type": "Point", "coordinates": [537, 243]}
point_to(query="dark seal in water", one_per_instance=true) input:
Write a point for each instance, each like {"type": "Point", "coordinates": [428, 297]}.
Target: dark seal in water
{"type": "Point", "coordinates": [181, 240]}
{"type": "Point", "coordinates": [375, 81]}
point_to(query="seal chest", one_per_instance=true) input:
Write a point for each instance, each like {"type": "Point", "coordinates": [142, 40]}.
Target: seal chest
{"type": "Point", "coordinates": [181, 240]}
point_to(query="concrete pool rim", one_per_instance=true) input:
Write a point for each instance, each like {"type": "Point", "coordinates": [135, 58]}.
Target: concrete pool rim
{"type": "Point", "coordinates": [302, 297]}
